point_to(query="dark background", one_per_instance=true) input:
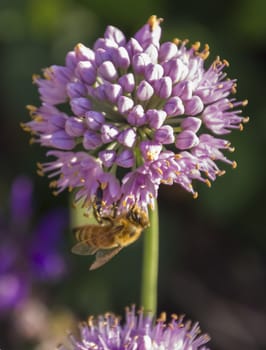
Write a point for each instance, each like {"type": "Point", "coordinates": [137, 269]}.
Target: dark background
{"type": "Point", "coordinates": [212, 250]}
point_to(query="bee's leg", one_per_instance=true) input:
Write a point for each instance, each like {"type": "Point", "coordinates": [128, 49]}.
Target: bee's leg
{"type": "Point", "coordinates": [96, 213]}
{"type": "Point", "coordinates": [109, 219]}
{"type": "Point", "coordinates": [114, 210]}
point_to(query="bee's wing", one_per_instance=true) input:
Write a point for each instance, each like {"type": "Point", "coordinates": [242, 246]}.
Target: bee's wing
{"type": "Point", "coordinates": [82, 248]}
{"type": "Point", "coordinates": [103, 256]}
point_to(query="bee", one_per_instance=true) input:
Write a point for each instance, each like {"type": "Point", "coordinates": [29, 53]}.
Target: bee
{"type": "Point", "coordinates": [112, 234]}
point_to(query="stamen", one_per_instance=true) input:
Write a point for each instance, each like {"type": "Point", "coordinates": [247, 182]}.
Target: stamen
{"type": "Point", "coordinates": [176, 41]}
{"type": "Point", "coordinates": [195, 195]}
{"type": "Point", "coordinates": [153, 22]}
{"type": "Point", "coordinates": [35, 77]}
{"type": "Point", "coordinates": [196, 46]}
{"type": "Point", "coordinates": [53, 184]}
{"type": "Point", "coordinates": [208, 183]}
{"type": "Point", "coordinates": [234, 164]}
{"type": "Point", "coordinates": [31, 108]}
{"type": "Point", "coordinates": [226, 63]}
{"type": "Point", "coordinates": [162, 317]}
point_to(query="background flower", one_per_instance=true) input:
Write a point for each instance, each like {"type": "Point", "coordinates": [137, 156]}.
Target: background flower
{"type": "Point", "coordinates": [30, 257]}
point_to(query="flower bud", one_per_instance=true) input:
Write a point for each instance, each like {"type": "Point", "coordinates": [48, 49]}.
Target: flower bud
{"type": "Point", "coordinates": [186, 139]}
{"type": "Point", "coordinates": [107, 157]}
{"type": "Point", "coordinates": [183, 89]}
{"type": "Point", "coordinates": [109, 132]}
{"type": "Point", "coordinates": [163, 87]}
{"type": "Point", "coordinates": [60, 139]}
{"type": "Point", "coordinates": [155, 117]}
{"type": "Point", "coordinates": [116, 35]}
{"type": "Point", "coordinates": [113, 92]}
{"type": "Point", "coordinates": [121, 58]}
{"type": "Point", "coordinates": [76, 89]}
{"type": "Point", "coordinates": [94, 120]}
{"type": "Point", "coordinates": [164, 135]}
{"type": "Point", "coordinates": [125, 158]}
{"type": "Point", "coordinates": [108, 71]}
{"type": "Point", "coordinates": [153, 72]}
{"type": "Point", "coordinates": [124, 104]}
{"type": "Point", "coordinates": [191, 123]}
{"type": "Point", "coordinates": [167, 51]}
{"type": "Point", "coordinates": [127, 137]}
{"type": "Point", "coordinates": [127, 82]}
{"type": "Point", "coordinates": [194, 106]}
{"type": "Point", "coordinates": [86, 72]}
{"type": "Point", "coordinates": [140, 62]}
{"type": "Point", "coordinates": [136, 116]}
{"type": "Point", "coordinates": [174, 106]}
{"type": "Point", "coordinates": [74, 127]}
{"type": "Point", "coordinates": [144, 91]}
{"type": "Point", "coordinates": [80, 105]}
{"type": "Point", "coordinates": [91, 140]}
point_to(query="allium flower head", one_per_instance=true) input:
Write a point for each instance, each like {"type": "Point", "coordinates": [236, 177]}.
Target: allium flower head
{"type": "Point", "coordinates": [138, 333]}
{"type": "Point", "coordinates": [127, 115]}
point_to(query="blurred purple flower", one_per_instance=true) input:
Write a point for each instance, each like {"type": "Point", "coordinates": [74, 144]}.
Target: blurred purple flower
{"type": "Point", "coordinates": [151, 109]}
{"type": "Point", "coordinates": [139, 332]}
{"type": "Point", "coordinates": [28, 257]}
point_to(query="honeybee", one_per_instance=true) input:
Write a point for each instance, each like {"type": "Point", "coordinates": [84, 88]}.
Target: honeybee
{"type": "Point", "coordinates": [112, 234]}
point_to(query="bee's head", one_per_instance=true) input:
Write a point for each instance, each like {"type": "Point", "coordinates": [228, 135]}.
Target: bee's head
{"type": "Point", "coordinates": [138, 217]}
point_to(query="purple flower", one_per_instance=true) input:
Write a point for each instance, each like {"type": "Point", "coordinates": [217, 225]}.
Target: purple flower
{"type": "Point", "coordinates": [139, 332]}
{"type": "Point", "coordinates": [26, 256]}
{"type": "Point", "coordinates": [149, 107]}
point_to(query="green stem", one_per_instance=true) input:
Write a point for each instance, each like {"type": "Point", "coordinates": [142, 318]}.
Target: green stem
{"type": "Point", "coordinates": [150, 263]}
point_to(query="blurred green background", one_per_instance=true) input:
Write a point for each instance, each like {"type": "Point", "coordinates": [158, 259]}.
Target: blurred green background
{"type": "Point", "coordinates": [213, 249]}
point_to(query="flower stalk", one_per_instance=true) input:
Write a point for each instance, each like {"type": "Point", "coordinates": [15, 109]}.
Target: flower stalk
{"type": "Point", "coordinates": [150, 263]}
